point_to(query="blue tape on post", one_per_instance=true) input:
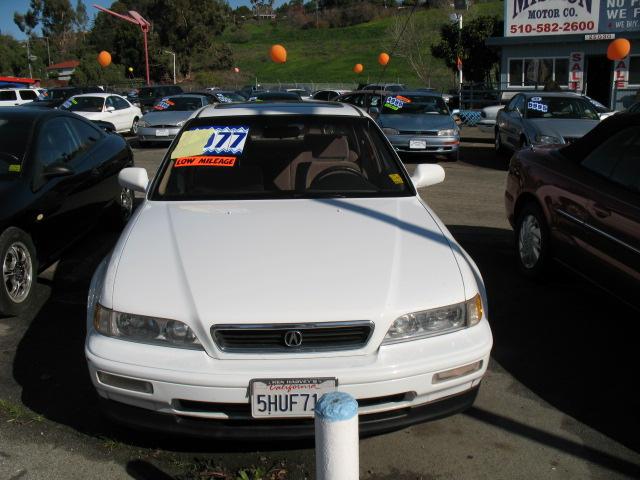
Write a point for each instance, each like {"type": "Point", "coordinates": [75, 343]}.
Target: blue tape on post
{"type": "Point", "coordinates": [336, 406]}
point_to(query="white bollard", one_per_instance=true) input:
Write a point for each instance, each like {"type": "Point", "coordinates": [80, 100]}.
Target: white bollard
{"type": "Point", "coordinates": [336, 425]}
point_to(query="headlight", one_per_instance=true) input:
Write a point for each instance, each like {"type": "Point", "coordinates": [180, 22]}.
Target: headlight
{"type": "Point", "coordinates": [548, 139]}
{"type": "Point", "coordinates": [449, 132]}
{"type": "Point", "coordinates": [390, 131]}
{"type": "Point", "coordinates": [142, 123]}
{"type": "Point", "coordinates": [436, 321]}
{"type": "Point", "coordinates": [139, 328]}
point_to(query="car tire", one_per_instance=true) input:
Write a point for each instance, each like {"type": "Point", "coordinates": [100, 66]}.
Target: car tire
{"type": "Point", "coordinates": [532, 241]}
{"type": "Point", "coordinates": [121, 209]}
{"type": "Point", "coordinates": [134, 126]}
{"type": "Point", "coordinates": [19, 271]}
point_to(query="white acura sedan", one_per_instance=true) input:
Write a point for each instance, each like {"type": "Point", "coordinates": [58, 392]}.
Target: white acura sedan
{"type": "Point", "coordinates": [282, 251]}
{"type": "Point", "coordinates": [107, 107]}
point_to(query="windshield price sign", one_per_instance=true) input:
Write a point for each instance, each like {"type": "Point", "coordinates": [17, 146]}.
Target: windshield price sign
{"type": "Point", "coordinates": [550, 17]}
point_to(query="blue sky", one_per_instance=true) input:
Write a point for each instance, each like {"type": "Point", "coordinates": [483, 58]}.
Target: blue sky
{"type": "Point", "coordinates": [7, 7]}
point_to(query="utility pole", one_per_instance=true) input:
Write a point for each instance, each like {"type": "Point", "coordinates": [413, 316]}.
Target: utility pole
{"type": "Point", "coordinates": [459, 60]}
{"type": "Point", "coordinates": [29, 58]}
{"type": "Point", "coordinates": [174, 64]}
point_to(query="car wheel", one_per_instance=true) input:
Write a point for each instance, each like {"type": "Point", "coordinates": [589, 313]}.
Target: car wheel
{"type": "Point", "coordinates": [19, 271]}
{"type": "Point", "coordinates": [122, 209]}
{"type": "Point", "coordinates": [134, 126]}
{"type": "Point", "coordinates": [532, 241]}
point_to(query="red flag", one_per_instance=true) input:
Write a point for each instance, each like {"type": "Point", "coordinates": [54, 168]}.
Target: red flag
{"type": "Point", "coordinates": [459, 63]}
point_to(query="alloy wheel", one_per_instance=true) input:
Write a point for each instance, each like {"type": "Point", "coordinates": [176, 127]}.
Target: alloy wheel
{"type": "Point", "coordinates": [17, 272]}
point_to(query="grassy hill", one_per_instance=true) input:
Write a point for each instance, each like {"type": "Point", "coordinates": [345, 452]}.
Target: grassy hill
{"type": "Point", "coordinates": [329, 54]}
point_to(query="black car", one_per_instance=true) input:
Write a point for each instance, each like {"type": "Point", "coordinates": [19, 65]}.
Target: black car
{"type": "Point", "coordinates": [57, 96]}
{"type": "Point", "coordinates": [149, 96]}
{"type": "Point", "coordinates": [221, 96]}
{"type": "Point", "coordinates": [275, 97]}
{"type": "Point", "coordinates": [58, 174]}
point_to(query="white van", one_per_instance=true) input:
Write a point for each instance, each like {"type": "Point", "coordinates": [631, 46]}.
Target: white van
{"type": "Point", "coordinates": [10, 97]}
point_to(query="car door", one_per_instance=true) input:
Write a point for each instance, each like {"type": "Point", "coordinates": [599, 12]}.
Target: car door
{"type": "Point", "coordinates": [512, 129]}
{"type": "Point", "coordinates": [127, 112]}
{"type": "Point", "coordinates": [614, 206]}
{"type": "Point", "coordinates": [116, 116]}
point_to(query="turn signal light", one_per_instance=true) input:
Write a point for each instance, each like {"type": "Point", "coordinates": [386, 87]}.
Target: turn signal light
{"type": "Point", "coordinates": [457, 372]}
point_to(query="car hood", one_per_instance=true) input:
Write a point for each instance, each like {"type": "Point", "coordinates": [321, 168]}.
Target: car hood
{"type": "Point", "coordinates": [94, 115]}
{"type": "Point", "coordinates": [416, 122]}
{"type": "Point", "coordinates": [563, 128]}
{"type": "Point", "coordinates": [285, 261]}
{"type": "Point", "coordinates": [166, 118]}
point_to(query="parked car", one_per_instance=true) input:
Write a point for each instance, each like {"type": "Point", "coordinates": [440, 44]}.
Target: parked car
{"type": "Point", "coordinates": [489, 115]}
{"type": "Point", "coordinates": [11, 97]}
{"type": "Point", "coordinates": [580, 204]}
{"type": "Point", "coordinates": [58, 173]}
{"type": "Point", "coordinates": [635, 108]}
{"type": "Point", "coordinates": [106, 107]}
{"type": "Point", "coordinates": [539, 118]}
{"type": "Point", "coordinates": [220, 310]}
{"type": "Point", "coordinates": [328, 95]}
{"type": "Point", "coordinates": [274, 97]}
{"type": "Point", "coordinates": [304, 94]}
{"type": "Point", "coordinates": [163, 123]}
{"type": "Point", "coordinates": [149, 96]}
{"type": "Point", "coordinates": [57, 96]}
{"type": "Point", "coordinates": [221, 96]}
{"type": "Point", "coordinates": [414, 122]}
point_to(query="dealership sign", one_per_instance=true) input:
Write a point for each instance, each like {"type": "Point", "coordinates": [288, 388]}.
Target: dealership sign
{"type": "Point", "coordinates": [565, 17]}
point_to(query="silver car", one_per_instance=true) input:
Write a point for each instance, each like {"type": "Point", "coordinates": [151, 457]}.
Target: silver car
{"type": "Point", "coordinates": [163, 123]}
{"type": "Point", "coordinates": [543, 118]}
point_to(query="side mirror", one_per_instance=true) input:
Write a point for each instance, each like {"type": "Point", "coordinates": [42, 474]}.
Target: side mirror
{"type": "Point", "coordinates": [134, 178]}
{"type": "Point", "coordinates": [427, 175]}
{"type": "Point", "coordinates": [111, 109]}
{"type": "Point", "coordinates": [374, 111]}
{"type": "Point", "coordinates": [57, 170]}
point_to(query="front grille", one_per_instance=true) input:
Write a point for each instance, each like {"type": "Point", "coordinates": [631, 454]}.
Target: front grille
{"type": "Point", "coordinates": [428, 133]}
{"type": "Point", "coordinates": [313, 337]}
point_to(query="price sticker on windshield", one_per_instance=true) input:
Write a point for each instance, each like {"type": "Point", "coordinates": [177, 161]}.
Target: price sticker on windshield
{"type": "Point", "coordinates": [226, 140]}
{"type": "Point", "coordinates": [537, 106]}
{"type": "Point", "coordinates": [393, 103]}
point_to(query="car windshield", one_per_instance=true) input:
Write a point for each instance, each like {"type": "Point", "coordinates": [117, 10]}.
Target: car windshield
{"type": "Point", "coordinates": [60, 94]}
{"type": "Point", "coordinates": [282, 156]}
{"type": "Point", "coordinates": [83, 104]}
{"type": "Point", "coordinates": [14, 136]}
{"type": "Point", "coordinates": [414, 104]}
{"type": "Point", "coordinates": [178, 104]}
{"type": "Point", "coordinates": [228, 97]}
{"type": "Point", "coordinates": [560, 107]}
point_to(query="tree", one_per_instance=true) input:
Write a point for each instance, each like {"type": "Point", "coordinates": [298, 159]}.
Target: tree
{"type": "Point", "coordinates": [477, 59]}
{"type": "Point", "coordinates": [56, 19]}
{"type": "Point", "coordinates": [81, 19]}
{"type": "Point", "coordinates": [12, 58]}
{"type": "Point", "coordinates": [412, 44]}
{"type": "Point", "coordinates": [89, 72]}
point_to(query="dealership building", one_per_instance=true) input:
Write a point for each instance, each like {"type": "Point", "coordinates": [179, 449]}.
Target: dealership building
{"type": "Point", "coordinates": [566, 41]}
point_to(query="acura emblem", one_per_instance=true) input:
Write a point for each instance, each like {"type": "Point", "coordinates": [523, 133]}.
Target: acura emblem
{"type": "Point", "coordinates": [293, 338]}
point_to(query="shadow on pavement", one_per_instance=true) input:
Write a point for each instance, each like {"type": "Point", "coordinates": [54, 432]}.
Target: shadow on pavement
{"type": "Point", "coordinates": [566, 340]}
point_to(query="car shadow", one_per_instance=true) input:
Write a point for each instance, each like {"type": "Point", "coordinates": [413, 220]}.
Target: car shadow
{"type": "Point", "coordinates": [565, 339]}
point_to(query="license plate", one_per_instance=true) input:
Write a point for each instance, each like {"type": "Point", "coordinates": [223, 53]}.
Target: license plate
{"type": "Point", "coordinates": [162, 133]}
{"type": "Point", "coordinates": [418, 144]}
{"type": "Point", "coordinates": [288, 397]}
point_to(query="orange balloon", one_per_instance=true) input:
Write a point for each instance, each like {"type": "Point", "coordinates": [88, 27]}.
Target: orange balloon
{"type": "Point", "coordinates": [236, 69]}
{"type": "Point", "coordinates": [383, 58]}
{"type": "Point", "coordinates": [358, 68]}
{"type": "Point", "coordinates": [618, 49]}
{"type": "Point", "coordinates": [104, 58]}
{"type": "Point", "coordinates": [278, 54]}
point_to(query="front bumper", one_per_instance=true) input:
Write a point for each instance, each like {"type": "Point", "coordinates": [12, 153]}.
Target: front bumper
{"type": "Point", "coordinates": [435, 145]}
{"type": "Point", "coordinates": [270, 430]}
{"type": "Point", "coordinates": [192, 388]}
{"type": "Point", "coordinates": [150, 134]}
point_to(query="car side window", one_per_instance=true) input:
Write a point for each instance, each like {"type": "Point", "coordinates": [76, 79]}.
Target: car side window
{"type": "Point", "coordinates": [86, 134]}
{"type": "Point", "coordinates": [348, 99]}
{"type": "Point", "coordinates": [121, 104]}
{"type": "Point", "coordinates": [618, 158]}
{"type": "Point", "coordinates": [321, 96]}
{"type": "Point", "coordinates": [8, 95]}
{"type": "Point", "coordinates": [28, 94]}
{"type": "Point", "coordinates": [512, 104]}
{"type": "Point", "coordinates": [56, 142]}
{"type": "Point", "coordinates": [110, 102]}
{"type": "Point", "coordinates": [519, 105]}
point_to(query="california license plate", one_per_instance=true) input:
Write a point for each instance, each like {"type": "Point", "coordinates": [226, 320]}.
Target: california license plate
{"type": "Point", "coordinates": [162, 133]}
{"type": "Point", "coordinates": [288, 397]}
{"type": "Point", "coordinates": [417, 144]}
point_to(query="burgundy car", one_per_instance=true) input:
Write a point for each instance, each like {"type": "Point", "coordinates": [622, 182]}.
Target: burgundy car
{"type": "Point", "coordinates": [580, 204]}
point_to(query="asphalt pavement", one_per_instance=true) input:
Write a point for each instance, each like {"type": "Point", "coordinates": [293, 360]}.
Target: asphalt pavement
{"type": "Point", "coordinates": [558, 400]}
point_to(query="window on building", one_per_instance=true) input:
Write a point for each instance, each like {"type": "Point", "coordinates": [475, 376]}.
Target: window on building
{"type": "Point", "coordinates": [634, 70]}
{"type": "Point", "coordinates": [529, 72]}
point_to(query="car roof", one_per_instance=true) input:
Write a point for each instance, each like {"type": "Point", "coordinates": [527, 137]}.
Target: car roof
{"type": "Point", "coordinates": [22, 113]}
{"type": "Point", "coordinates": [274, 108]}
{"type": "Point", "coordinates": [98, 94]}
{"type": "Point", "coordinates": [16, 88]}
{"type": "Point", "coordinates": [551, 94]}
